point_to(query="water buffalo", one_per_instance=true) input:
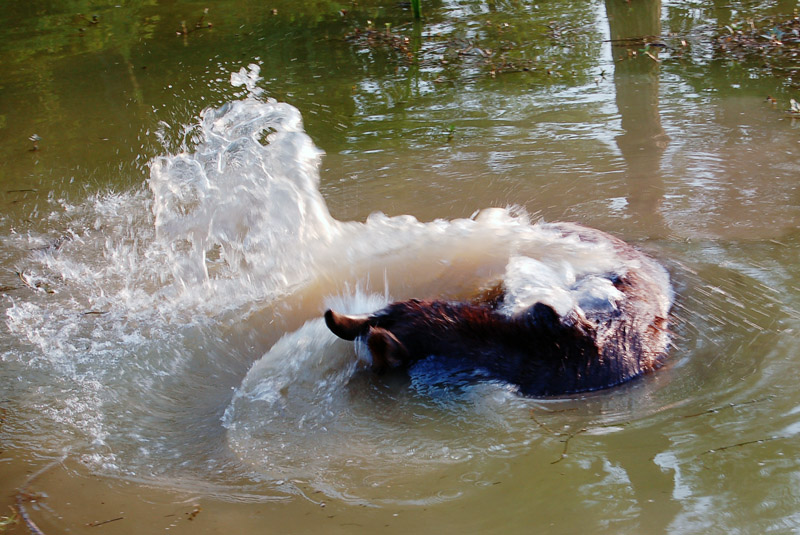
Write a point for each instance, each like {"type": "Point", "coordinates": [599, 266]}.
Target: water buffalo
{"type": "Point", "coordinates": [536, 349]}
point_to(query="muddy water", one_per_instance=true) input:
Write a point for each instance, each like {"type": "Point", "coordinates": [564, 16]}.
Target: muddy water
{"type": "Point", "coordinates": [171, 243]}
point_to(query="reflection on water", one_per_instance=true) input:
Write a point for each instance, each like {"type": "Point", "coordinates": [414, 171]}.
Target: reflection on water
{"type": "Point", "coordinates": [633, 29]}
{"type": "Point", "coordinates": [168, 333]}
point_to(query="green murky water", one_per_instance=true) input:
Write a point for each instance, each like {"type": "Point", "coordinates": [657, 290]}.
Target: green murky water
{"type": "Point", "coordinates": [624, 117]}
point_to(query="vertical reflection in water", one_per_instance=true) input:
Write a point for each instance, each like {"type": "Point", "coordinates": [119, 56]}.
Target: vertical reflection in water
{"type": "Point", "coordinates": [642, 145]}
{"type": "Point", "coordinates": [643, 140]}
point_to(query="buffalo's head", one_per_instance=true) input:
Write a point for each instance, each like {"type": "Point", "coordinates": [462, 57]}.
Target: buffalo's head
{"type": "Point", "coordinates": [386, 349]}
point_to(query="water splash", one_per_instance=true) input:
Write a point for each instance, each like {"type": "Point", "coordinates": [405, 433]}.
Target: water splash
{"type": "Point", "coordinates": [182, 338]}
{"type": "Point", "coordinates": [245, 201]}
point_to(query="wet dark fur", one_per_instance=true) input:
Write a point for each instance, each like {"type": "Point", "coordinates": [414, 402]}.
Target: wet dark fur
{"type": "Point", "coordinates": [537, 350]}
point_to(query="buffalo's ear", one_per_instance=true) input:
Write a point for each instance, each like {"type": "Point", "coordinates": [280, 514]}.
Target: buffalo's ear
{"type": "Point", "coordinates": [344, 326]}
{"type": "Point", "coordinates": [544, 317]}
{"type": "Point", "coordinates": [386, 350]}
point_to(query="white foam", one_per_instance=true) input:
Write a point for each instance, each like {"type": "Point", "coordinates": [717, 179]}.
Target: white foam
{"type": "Point", "coordinates": [565, 286]}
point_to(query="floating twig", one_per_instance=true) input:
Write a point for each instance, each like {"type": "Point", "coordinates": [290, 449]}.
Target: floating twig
{"type": "Point", "coordinates": [197, 25]}
{"type": "Point", "coordinates": [728, 406]}
{"type": "Point", "coordinates": [540, 424]}
{"type": "Point", "coordinates": [101, 522]}
{"type": "Point", "coordinates": [651, 56]}
{"type": "Point", "coordinates": [566, 445]}
{"type": "Point", "coordinates": [23, 278]}
{"type": "Point", "coordinates": [740, 444]}
{"type": "Point", "coordinates": [38, 286]}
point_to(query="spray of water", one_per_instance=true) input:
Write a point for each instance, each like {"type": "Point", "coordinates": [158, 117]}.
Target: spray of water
{"type": "Point", "coordinates": [180, 338]}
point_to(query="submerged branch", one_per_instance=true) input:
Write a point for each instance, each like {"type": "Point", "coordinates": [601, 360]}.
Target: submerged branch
{"type": "Point", "coordinates": [25, 495]}
{"type": "Point", "coordinates": [569, 436]}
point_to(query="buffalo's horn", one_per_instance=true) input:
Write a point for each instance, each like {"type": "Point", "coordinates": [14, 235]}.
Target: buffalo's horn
{"type": "Point", "coordinates": [344, 326]}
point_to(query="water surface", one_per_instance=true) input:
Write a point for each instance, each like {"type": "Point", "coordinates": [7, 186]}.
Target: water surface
{"type": "Point", "coordinates": [198, 198]}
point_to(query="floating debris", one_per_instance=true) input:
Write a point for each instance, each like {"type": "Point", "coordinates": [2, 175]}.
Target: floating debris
{"type": "Point", "coordinates": [33, 283]}
{"type": "Point", "coordinates": [773, 42]}
{"type": "Point", "coordinates": [199, 25]}
{"type": "Point", "coordinates": [193, 514]}
{"type": "Point", "coordinates": [468, 54]}
{"type": "Point", "coordinates": [35, 139]}
{"type": "Point", "coordinates": [370, 37]}
{"type": "Point", "coordinates": [7, 521]}
{"type": "Point", "coordinates": [102, 522]}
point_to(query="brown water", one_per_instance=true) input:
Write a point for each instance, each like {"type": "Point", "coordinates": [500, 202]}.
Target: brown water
{"type": "Point", "coordinates": [137, 298]}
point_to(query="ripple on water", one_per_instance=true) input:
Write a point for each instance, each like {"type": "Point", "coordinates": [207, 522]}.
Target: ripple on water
{"type": "Point", "coordinates": [183, 340]}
